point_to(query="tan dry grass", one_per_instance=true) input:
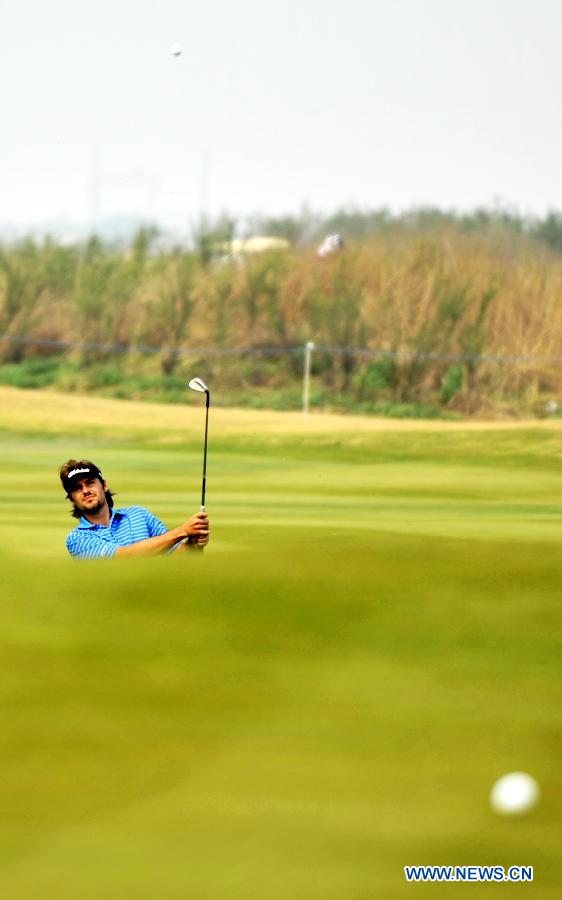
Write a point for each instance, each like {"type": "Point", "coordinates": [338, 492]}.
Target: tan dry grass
{"type": "Point", "coordinates": [49, 412]}
{"type": "Point", "coordinates": [439, 293]}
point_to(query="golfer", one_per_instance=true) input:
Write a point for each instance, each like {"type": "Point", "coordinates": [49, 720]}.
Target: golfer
{"type": "Point", "coordinates": [129, 531]}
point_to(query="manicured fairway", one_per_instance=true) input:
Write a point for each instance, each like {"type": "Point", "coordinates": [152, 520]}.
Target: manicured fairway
{"type": "Point", "coordinates": [323, 697]}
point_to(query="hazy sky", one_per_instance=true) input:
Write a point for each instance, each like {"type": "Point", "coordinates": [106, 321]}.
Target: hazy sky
{"type": "Point", "coordinates": [454, 103]}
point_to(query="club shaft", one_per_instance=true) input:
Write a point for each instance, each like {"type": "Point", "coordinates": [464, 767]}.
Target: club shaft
{"type": "Point", "coordinates": [205, 454]}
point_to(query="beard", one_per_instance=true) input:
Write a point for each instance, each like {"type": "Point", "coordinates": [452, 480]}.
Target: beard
{"type": "Point", "coordinates": [91, 508]}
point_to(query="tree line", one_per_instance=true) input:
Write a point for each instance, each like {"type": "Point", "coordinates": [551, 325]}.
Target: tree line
{"type": "Point", "coordinates": [388, 313]}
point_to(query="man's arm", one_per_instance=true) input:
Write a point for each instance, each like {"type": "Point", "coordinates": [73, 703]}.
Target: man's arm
{"type": "Point", "coordinates": [197, 527]}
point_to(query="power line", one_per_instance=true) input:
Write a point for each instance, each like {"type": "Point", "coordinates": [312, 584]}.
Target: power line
{"type": "Point", "coordinates": [412, 355]}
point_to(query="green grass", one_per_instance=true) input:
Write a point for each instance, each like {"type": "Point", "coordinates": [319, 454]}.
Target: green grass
{"type": "Point", "coordinates": [326, 695]}
{"type": "Point", "coordinates": [113, 378]}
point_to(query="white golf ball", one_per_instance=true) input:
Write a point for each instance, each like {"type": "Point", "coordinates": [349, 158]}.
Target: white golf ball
{"type": "Point", "coordinates": [514, 794]}
{"type": "Point", "coordinates": [176, 49]}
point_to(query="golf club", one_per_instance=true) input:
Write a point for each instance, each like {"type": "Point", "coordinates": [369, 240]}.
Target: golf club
{"type": "Point", "coordinates": [197, 384]}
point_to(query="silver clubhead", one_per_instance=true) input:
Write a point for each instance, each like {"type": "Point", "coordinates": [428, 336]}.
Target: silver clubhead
{"type": "Point", "coordinates": [197, 384]}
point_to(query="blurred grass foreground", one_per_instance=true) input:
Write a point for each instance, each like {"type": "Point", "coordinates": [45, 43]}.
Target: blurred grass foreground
{"type": "Point", "coordinates": [324, 696]}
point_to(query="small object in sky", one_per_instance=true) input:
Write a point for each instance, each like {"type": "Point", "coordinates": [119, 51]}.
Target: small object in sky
{"type": "Point", "coordinates": [514, 794]}
{"type": "Point", "coordinates": [176, 49]}
{"type": "Point", "coordinates": [331, 244]}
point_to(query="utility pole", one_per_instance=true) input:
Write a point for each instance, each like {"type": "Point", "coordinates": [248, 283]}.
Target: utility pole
{"type": "Point", "coordinates": [95, 191]}
{"type": "Point", "coordinates": [308, 348]}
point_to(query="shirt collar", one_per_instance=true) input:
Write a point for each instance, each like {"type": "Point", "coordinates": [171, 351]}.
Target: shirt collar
{"type": "Point", "coordinates": [85, 523]}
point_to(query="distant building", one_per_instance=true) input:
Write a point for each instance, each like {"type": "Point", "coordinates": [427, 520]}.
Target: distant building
{"type": "Point", "coordinates": [240, 247]}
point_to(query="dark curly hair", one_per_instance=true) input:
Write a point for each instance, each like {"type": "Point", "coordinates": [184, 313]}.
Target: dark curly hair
{"type": "Point", "coordinates": [67, 467]}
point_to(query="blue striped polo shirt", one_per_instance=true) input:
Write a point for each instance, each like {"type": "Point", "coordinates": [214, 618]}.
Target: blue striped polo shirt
{"type": "Point", "coordinates": [127, 526]}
